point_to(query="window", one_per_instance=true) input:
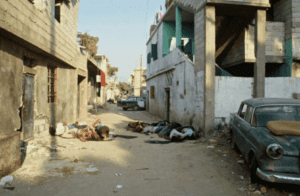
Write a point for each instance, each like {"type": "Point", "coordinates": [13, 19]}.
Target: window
{"type": "Point", "coordinates": [57, 10]}
{"type": "Point", "coordinates": [152, 92]}
{"type": "Point", "coordinates": [242, 110]}
{"type": "Point", "coordinates": [154, 51]}
{"type": "Point", "coordinates": [52, 85]}
{"type": "Point", "coordinates": [248, 115]}
{"type": "Point", "coordinates": [149, 58]}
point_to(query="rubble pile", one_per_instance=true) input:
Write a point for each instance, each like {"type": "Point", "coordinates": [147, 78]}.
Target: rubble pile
{"type": "Point", "coordinates": [171, 131]}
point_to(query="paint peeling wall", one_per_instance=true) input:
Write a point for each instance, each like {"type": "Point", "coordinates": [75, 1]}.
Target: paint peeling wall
{"type": "Point", "coordinates": [231, 91]}
{"type": "Point", "coordinates": [10, 86]}
{"type": "Point", "coordinates": [181, 95]}
{"type": "Point", "coordinates": [11, 71]}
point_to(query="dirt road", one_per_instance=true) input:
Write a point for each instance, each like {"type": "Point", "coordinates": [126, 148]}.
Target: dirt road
{"type": "Point", "coordinates": [187, 168]}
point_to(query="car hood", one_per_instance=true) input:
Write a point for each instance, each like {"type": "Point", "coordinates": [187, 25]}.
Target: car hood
{"type": "Point", "coordinates": [290, 144]}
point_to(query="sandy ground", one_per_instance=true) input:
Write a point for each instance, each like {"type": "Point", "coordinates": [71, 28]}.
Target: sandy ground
{"type": "Point", "coordinates": [186, 168]}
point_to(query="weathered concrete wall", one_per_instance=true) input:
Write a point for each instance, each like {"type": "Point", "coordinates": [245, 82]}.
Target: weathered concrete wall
{"type": "Point", "coordinates": [23, 19]}
{"type": "Point", "coordinates": [11, 74]}
{"type": "Point", "coordinates": [237, 52]}
{"type": "Point", "coordinates": [156, 65]}
{"type": "Point", "coordinates": [181, 95]}
{"type": "Point", "coordinates": [10, 155]}
{"type": "Point", "coordinates": [243, 49]}
{"type": "Point", "coordinates": [281, 87]}
{"type": "Point", "coordinates": [229, 93]}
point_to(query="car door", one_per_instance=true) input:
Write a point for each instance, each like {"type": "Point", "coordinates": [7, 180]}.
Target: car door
{"type": "Point", "coordinates": [140, 102]}
{"type": "Point", "coordinates": [245, 128]}
{"type": "Point", "coordinates": [237, 126]}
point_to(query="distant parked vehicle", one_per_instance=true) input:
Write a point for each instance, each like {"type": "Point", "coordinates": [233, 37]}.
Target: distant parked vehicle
{"type": "Point", "coordinates": [266, 131]}
{"type": "Point", "coordinates": [135, 103]}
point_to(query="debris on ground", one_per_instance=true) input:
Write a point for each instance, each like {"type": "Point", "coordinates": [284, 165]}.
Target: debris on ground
{"type": "Point", "coordinates": [210, 147]}
{"type": "Point", "coordinates": [119, 186]}
{"type": "Point", "coordinates": [6, 179]}
{"type": "Point", "coordinates": [143, 169]}
{"type": "Point", "coordinates": [92, 169]}
{"type": "Point", "coordinates": [117, 174]}
{"type": "Point", "coordinates": [263, 189]}
{"type": "Point", "coordinates": [257, 192]}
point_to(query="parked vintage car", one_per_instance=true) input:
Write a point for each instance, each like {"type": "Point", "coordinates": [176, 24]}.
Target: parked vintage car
{"type": "Point", "coordinates": [135, 103]}
{"type": "Point", "coordinates": [267, 133]}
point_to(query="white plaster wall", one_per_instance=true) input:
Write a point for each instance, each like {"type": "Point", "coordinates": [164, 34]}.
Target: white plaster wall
{"type": "Point", "coordinates": [156, 65]}
{"type": "Point", "coordinates": [229, 93]}
{"type": "Point", "coordinates": [281, 87]}
{"type": "Point", "coordinates": [182, 105]}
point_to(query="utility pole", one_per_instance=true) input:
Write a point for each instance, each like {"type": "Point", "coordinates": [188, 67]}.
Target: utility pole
{"type": "Point", "coordinates": [141, 76]}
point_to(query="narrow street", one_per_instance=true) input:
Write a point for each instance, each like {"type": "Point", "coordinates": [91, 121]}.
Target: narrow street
{"type": "Point", "coordinates": [188, 168]}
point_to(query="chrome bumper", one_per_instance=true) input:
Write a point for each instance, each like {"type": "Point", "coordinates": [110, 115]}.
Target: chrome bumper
{"type": "Point", "coordinates": [278, 177]}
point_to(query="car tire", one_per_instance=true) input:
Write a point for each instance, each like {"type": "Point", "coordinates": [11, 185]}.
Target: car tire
{"type": "Point", "coordinates": [124, 109]}
{"type": "Point", "coordinates": [253, 168]}
{"type": "Point", "coordinates": [135, 108]}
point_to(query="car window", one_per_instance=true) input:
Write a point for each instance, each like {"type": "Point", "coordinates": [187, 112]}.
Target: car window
{"type": "Point", "coordinates": [248, 114]}
{"type": "Point", "coordinates": [242, 110]}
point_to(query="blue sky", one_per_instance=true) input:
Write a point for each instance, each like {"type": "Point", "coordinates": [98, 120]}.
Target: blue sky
{"type": "Point", "coordinates": [123, 30]}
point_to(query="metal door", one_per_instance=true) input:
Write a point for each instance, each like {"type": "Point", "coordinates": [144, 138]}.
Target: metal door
{"type": "Point", "coordinates": [28, 106]}
{"type": "Point", "coordinates": [168, 104]}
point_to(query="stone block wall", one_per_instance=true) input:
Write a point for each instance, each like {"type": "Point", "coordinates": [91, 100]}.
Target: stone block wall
{"type": "Point", "coordinates": [40, 29]}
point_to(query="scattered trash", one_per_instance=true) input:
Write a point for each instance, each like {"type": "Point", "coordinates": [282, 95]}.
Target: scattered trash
{"type": "Point", "coordinates": [93, 169]}
{"type": "Point", "coordinates": [257, 192]}
{"type": "Point", "coordinates": [242, 177]}
{"type": "Point", "coordinates": [117, 174]}
{"type": "Point", "coordinates": [242, 189]}
{"type": "Point", "coordinates": [224, 155]}
{"type": "Point", "coordinates": [241, 161]}
{"type": "Point", "coordinates": [213, 142]}
{"type": "Point", "coordinates": [9, 186]}
{"type": "Point", "coordinates": [119, 186]}
{"type": "Point", "coordinates": [263, 189]}
{"type": "Point", "coordinates": [210, 147]}
{"type": "Point", "coordinates": [76, 160]}
{"type": "Point", "coordinates": [6, 179]}
{"type": "Point", "coordinates": [143, 169]}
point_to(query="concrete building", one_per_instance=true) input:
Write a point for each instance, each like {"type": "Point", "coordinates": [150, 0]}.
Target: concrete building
{"type": "Point", "coordinates": [138, 82]}
{"type": "Point", "coordinates": [43, 74]}
{"type": "Point", "coordinates": [102, 62]}
{"type": "Point", "coordinates": [205, 57]}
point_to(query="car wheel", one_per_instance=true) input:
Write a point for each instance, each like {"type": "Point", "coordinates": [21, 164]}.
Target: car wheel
{"type": "Point", "coordinates": [135, 108]}
{"type": "Point", "coordinates": [125, 109]}
{"type": "Point", "coordinates": [254, 166]}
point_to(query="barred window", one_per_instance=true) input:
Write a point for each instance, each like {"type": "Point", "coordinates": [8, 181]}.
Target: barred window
{"type": "Point", "coordinates": [52, 85]}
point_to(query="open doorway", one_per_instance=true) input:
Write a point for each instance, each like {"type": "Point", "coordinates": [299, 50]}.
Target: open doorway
{"type": "Point", "coordinates": [80, 92]}
{"type": "Point", "coordinates": [168, 103]}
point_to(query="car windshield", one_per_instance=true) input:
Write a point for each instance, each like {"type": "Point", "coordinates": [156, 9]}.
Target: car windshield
{"type": "Point", "coordinates": [131, 99]}
{"type": "Point", "coordinates": [262, 115]}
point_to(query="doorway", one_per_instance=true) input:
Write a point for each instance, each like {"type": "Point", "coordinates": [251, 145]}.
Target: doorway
{"type": "Point", "coordinates": [28, 107]}
{"type": "Point", "coordinates": [79, 92]}
{"type": "Point", "coordinates": [168, 104]}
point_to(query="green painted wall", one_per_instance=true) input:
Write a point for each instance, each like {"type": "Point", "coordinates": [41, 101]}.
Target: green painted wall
{"type": "Point", "coordinates": [221, 72]}
{"type": "Point", "coordinates": [169, 31]}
